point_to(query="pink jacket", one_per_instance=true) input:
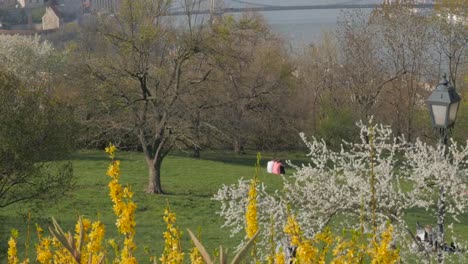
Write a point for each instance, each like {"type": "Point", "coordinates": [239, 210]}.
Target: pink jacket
{"type": "Point", "coordinates": [276, 167]}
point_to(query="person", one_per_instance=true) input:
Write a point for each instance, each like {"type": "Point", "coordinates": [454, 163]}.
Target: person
{"type": "Point", "coordinates": [276, 167]}
{"type": "Point", "coordinates": [270, 166]}
{"type": "Point", "coordinates": [282, 170]}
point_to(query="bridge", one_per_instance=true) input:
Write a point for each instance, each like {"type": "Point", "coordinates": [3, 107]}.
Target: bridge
{"type": "Point", "coordinates": [267, 8]}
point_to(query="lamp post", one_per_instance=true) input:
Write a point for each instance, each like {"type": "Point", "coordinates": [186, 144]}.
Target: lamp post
{"type": "Point", "coordinates": [443, 107]}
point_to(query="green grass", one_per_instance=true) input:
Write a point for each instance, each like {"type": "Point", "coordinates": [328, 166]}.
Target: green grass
{"type": "Point", "coordinates": [190, 184]}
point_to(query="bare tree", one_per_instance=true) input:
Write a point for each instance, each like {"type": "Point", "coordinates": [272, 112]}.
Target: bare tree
{"type": "Point", "coordinates": [251, 68]}
{"type": "Point", "coordinates": [451, 33]}
{"type": "Point", "coordinates": [145, 70]}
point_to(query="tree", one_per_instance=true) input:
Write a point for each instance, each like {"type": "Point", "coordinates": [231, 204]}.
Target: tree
{"type": "Point", "coordinates": [29, 58]}
{"type": "Point", "coordinates": [252, 71]}
{"type": "Point", "coordinates": [439, 177]}
{"type": "Point", "coordinates": [405, 41]}
{"type": "Point", "coordinates": [320, 98]}
{"type": "Point", "coordinates": [451, 31]}
{"type": "Point", "coordinates": [142, 74]}
{"type": "Point", "coordinates": [365, 183]}
{"type": "Point", "coordinates": [34, 130]}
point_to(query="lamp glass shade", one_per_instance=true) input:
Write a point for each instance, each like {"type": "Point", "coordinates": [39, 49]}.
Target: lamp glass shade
{"type": "Point", "coordinates": [439, 113]}
{"type": "Point", "coordinates": [453, 112]}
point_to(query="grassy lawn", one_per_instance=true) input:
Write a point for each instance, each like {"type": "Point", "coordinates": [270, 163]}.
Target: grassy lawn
{"type": "Point", "coordinates": [190, 184]}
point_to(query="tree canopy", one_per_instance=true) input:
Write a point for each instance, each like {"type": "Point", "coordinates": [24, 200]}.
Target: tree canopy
{"type": "Point", "coordinates": [35, 129]}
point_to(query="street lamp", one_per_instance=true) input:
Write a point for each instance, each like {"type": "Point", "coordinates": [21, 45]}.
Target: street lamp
{"type": "Point", "coordinates": [443, 107]}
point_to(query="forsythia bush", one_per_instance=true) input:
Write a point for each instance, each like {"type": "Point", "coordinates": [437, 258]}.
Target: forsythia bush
{"type": "Point", "coordinates": [86, 245]}
{"type": "Point", "coordinates": [172, 250]}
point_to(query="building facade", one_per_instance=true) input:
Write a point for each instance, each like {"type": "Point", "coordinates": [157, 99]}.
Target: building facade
{"type": "Point", "coordinates": [52, 19]}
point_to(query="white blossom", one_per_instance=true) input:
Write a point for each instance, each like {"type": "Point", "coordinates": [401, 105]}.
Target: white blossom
{"type": "Point", "coordinates": [335, 186]}
{"type": "Point", "coordinates": [28, 57]}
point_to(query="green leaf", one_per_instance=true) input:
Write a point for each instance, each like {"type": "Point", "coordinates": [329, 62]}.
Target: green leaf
{"type": "Point", "coordinates": [201, 248]}
{"type": "Point", "coordinates": [241, 254]}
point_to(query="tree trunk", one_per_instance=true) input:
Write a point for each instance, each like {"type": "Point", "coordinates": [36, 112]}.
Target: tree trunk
{"type": "Point", "coordinates": [154, 177]}
{"type": "Point", "coordinates": [440, 224]}
{"type": "Point", "coordinates": [238, 147]}
{"type": "Point", "coordinates": [196, 152]}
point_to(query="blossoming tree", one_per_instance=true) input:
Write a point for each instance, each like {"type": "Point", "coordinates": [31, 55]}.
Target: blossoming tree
{"type": "Point", "coordinates": [365, 182]}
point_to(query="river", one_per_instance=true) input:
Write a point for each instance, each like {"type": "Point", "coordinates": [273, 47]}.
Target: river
{"type": "Point", "coordinates": [299, 27]}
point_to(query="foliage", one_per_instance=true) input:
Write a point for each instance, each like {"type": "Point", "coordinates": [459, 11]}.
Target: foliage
{"type": "Point", "coordinates": [336, 126]}
{"type": "Point", "coordinates": [37, 14]}
{"type": "Point", "coordinates": [29, 58]}
{"type": "Point", "coordinates": [462, 120]}
{"type": "Point", "coordinates": [223, 257]}
{"type": "Point", "coordinates": [326, 247]}
{"type": "Point", "coordinates": [123, 206]}
{"type": "Point", "coordinates": [13, 16]}
{"type": "Point", "coordinates": [12, 250]}
{"type": "Point", "coordinates": [86, 244]}
{"type": "Point", "coordinates": [337, 186]}
{"type": "Point", "coordinates": [35, 129]}
{"type": "Point", "coordinates": [142, 74]}
{"type": "Point", "coordinates": [251, 74]}
{"type": "Point", "coordinates": [172, 250]}
{"type": "Point", "coordinates": [251, 211]}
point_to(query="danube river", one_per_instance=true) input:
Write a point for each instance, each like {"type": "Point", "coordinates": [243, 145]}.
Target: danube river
{"type": "Point", "coordinates": [299, 27]}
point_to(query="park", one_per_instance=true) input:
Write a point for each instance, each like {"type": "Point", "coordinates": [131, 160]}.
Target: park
{"type": "Point", "coordinates": [134, 136]}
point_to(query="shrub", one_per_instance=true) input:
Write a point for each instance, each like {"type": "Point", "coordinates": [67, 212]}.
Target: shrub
{"type": "Point", "coordinates": [86, 244]}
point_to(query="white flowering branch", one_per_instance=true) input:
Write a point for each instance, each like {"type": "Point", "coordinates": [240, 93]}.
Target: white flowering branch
{"type": "Point", "coordinates": [336, 186]}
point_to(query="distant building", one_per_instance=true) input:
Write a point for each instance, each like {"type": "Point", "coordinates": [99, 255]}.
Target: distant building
{"type": "Point", "coordinates": [30, 3]}
{"type": "Point", "coordinates": [52, 19]}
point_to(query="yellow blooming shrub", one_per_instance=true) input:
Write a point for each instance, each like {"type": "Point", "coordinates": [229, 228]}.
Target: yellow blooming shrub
{"type": "Point", "coordinates": [251, 212]}
{"type": "Point", "coordinates": [356, 249]}
{"type": "Point", "coordinates": [124, 208]}
{"type": "Point", "coordinates": [195, 256]}
{"type": "Point", "coordinates": [86, 244]}
{"type": "Point", "coordinates": [383, 252]}
{"type": "Point", "coordinates": [12, 251]}
{"type": "Point", "coordinates": [305, 250]}
{"type": "Point", "coordinates": [172, 249]}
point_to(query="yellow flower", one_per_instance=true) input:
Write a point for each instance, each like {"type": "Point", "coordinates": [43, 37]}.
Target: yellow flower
{"type": "Point", "coordinates": [251, 212]}
{"type": "Point", "coordinates": [172, 253]}
{"type": "Point", "coordinates": [111, 150]}
{"type": "Point", "coordinates": [292, 229]}
{"type": "Point", "coordinates": [39, 231]}
{"type": "Point", "coordinates": [43, 251]}
{"type": "Point", "coordinates": [124, 208]}
{"type": "Point", "coordinates": [114, 169]}
{"type": "Point", "coordinates": [280, 258]}
{"type": "Point", "coordinates": [195, 256]}
{"type": "Point", "coordinates": [306, 251]}
{"type": "Point", "coordinates": [12, 251]}
{"type": "Point", "coordinates": [95, 237]}
{"type": "Point", "coordinates": [382, 252]}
